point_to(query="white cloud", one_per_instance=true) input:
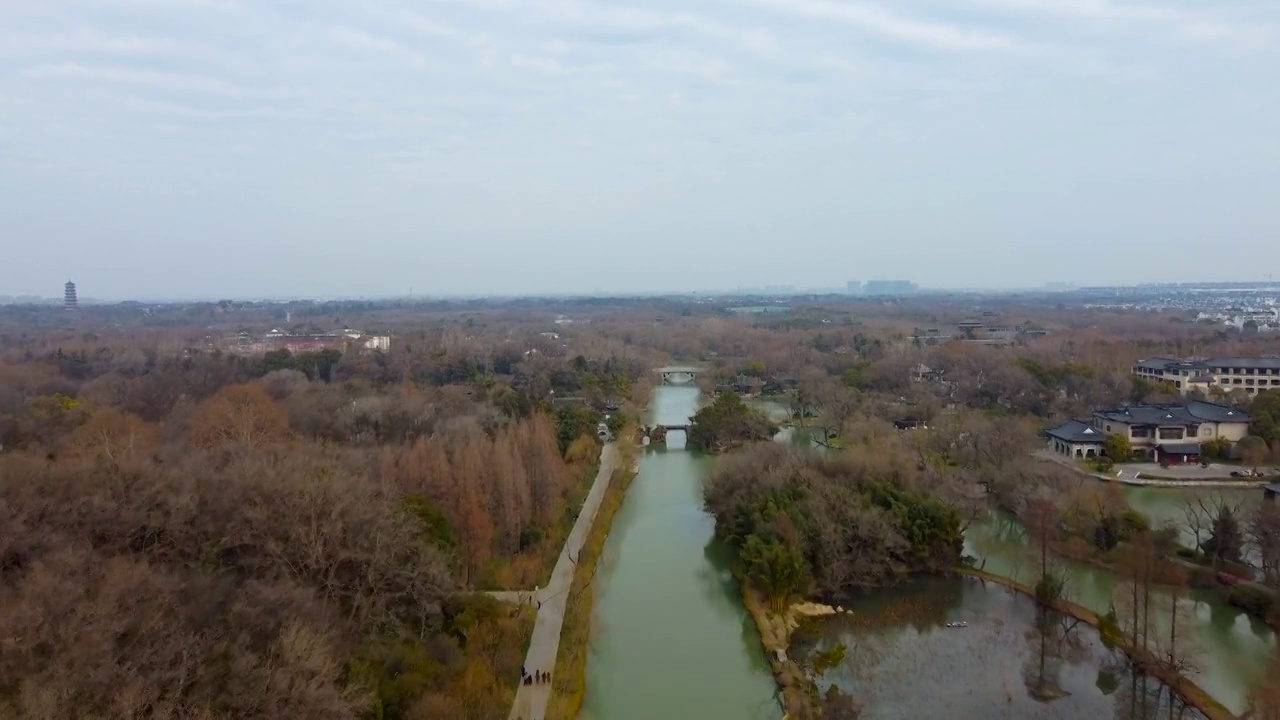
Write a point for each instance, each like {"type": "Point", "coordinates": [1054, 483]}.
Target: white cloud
{"type": "Point", "coordinates": [424, 26]}
{"type": "Point", "coordinates": [178, 82]}
{"type": "Point", "coordinates": [634, 19]}
{"type": "Point", "coordinates": [1199, 24]}
{"type": "Point", "coordinates": [553, 66]}
{"type": "Point", "coordinates": [354, 39]}
{"type": "Point", "coordinates": [839, 64]}
{"type": "Point", "coordinates": [88, 41]}
{"type": "Point", "coordinates": [694, 64]}
{"type": "Point", "coordinates": [871, 18]}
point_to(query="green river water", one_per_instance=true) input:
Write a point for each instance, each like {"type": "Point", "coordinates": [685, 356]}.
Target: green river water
{"type": "Point", "coordinates": [671, 639]}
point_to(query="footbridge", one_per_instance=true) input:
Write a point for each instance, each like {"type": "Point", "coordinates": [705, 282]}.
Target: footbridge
{"type": "Point", "coordinates": [678, 373]}
{"type": "Point", "coordinates": [658, 433]}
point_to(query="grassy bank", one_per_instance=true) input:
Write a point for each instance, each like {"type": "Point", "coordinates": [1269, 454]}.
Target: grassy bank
{"type": "Point", "coordinates": [570, 677]}
{"type": "Point", "coordinates": [1148, 663]}
{"type": "Point", "coordinates": [798, 700]}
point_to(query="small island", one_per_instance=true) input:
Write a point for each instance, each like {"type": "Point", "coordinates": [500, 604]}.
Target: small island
{"type": "Point", "coordinates": [808, 525]}
{"type": "Point", "coordinates": [728, 422]}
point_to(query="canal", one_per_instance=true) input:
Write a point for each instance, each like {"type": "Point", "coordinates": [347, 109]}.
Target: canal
{"type": "Point", "coordinates": [670, 637]}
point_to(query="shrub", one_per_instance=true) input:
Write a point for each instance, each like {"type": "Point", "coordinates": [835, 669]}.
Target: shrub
{"type": "Point", "coordinates": [1215, 449]}
{"type": "Point", "coordinates": [1253, 601]}
{"type": "Point", "coordinates": [1118, 447]}
{"type": "Point", "coordinates": [1132, 522]}
{"type": "Point", "coordinates": [1202, 577]}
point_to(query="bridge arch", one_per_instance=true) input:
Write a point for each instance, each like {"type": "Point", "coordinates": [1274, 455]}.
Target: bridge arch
{"type": "Point", "coordinates": [678, 374]}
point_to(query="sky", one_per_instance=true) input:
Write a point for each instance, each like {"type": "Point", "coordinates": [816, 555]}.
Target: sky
{"type": "Point", "coordinates": [279, 148]}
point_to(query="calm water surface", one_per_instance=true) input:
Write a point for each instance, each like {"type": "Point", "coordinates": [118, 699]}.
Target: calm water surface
{"type": "Point", "coordinates": [671, 639]}
{"type": "Point", "coordinates": [904, 662]}
{"type": "Point", "coordinates": [1231, 649]}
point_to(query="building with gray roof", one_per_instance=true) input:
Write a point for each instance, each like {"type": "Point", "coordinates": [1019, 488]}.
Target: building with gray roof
{"type": "Point", "coordinates": [1170, 433]}
{"type": "Point", "coordinates": [1212, 376]}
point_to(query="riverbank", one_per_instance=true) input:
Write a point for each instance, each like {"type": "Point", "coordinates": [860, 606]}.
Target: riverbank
{"type": "Point", "coordinates": [798, 702]}
{"type": "Point", "coordinates": [1253, 598]}
{"type": "Point", "coordinates": [1167, 483]}
{"type": "Point", "coordinates": [544, 645]}
{"type": "Point", "coordinates": [1188, 690]}
{"type": "Point", "coordinates": [669, 636]}
{"type": "Point", "coordinates": [1129, 475]}
{"type": "Point", "coordinates": [569, 678]}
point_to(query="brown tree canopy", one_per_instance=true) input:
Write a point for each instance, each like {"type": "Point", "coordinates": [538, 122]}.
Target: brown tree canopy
{"type": "Point", "coordinates": [198, 589]}
{"type": "Point", "coordinates": [239, 416]}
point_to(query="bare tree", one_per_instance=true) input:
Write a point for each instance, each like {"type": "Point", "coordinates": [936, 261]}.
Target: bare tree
{"type": "Point", "coordinates": [1263, 531]}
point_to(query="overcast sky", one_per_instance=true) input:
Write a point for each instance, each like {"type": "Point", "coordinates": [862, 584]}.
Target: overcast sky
{"type": "Point", "coordinates": [328, 147]}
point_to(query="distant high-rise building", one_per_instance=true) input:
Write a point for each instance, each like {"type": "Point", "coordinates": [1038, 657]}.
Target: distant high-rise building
{"type": "Point", "coordinates": [69, 296]}
{"type": "Point", "coordinates": [889, 287]}
{"type": "Point", "coordinates": [853, 287]}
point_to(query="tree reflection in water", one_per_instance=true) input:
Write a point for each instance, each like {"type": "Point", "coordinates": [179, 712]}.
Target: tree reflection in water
{"type": "Point", "coordinates": [903, 662]}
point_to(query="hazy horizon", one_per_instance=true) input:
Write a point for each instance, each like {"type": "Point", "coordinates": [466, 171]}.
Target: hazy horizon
{"type": "Point", "coordinates": [227, 148]}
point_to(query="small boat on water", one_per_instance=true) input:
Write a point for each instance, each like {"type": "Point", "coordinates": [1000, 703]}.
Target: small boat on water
{"type": "Point", "coordinates": [957, 624]}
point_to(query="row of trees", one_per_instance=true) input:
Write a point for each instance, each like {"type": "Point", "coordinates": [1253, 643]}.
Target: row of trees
{"type": "Point", "coordinates": [502, 495]}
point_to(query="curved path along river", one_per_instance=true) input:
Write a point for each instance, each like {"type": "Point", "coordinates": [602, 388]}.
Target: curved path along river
{"type": "Point", "coordinates": [670, 638]}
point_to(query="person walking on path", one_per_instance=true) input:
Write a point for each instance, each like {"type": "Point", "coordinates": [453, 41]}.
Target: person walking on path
{"type": "Point", "coordinates": [530, 703]}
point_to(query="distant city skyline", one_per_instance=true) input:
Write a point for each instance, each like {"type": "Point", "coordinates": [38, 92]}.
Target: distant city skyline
{"type": "Point", "coordinates": [73, 296]}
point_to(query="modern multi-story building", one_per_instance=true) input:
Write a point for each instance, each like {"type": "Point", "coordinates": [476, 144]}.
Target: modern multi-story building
{"type": "Point", "coordinates": [1204, 374]}
{"type": "Point", "coordinates": [853, 287]}
{"type": "Point", "coordinates": [1156, 432]}
{"type": "Point", "coordinates": [69, 296]}
{"type": "Point", "coordinates": [889, 287]}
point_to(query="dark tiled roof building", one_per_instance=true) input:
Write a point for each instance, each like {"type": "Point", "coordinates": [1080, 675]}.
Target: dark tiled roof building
{"type": "Point", "coordinates": [1156, 432]}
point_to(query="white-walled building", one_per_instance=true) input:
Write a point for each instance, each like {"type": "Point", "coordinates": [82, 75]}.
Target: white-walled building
{"type": "Point", "coordinates": [1156, 432]}
{"type": "Point", "coordinates": [1224, 373]}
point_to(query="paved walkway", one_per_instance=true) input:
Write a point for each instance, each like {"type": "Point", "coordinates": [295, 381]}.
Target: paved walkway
{"type": "Point", "coordinates": [1131, 474]}
{"type": "Point", "coordinates": [531, 700]}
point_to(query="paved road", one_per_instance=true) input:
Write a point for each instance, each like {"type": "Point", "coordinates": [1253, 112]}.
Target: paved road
{"type": "Point", "coordinates": [1187, 475]}
{"type": "Point", "coordinates": [531, 700]}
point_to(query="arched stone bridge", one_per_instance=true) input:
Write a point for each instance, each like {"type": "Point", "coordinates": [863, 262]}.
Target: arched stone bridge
{"type": "Point", "coordinates": [678, 373]}
{"type": "Point", "coordinates": [658, 433]}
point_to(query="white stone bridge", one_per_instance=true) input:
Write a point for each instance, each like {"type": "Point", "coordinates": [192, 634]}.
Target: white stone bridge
{"type": "Point", "coordinates": [679, 374]}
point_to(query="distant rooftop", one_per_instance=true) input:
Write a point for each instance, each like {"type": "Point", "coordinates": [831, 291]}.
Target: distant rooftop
{"type": "Point", "coordinates": [1192, 412]}
{"type": "Point", "coordinates": [1163, 363]}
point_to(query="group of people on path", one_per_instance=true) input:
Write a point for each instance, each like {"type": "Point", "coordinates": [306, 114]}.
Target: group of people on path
{"type": "Point", "coordinates": [537, 677]}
